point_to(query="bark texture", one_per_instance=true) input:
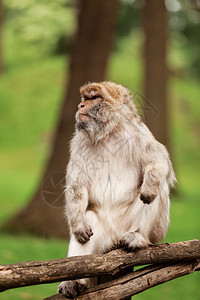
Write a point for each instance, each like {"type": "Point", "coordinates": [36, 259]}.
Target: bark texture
{"type": "Point", "coordinates": [32, 273]}
{"type": "Point", "coordinates": [92, 47]}
{"type": "Point", "coordinates": [155, 26]}
{"type": "Point", "coordinates": [137, 282]}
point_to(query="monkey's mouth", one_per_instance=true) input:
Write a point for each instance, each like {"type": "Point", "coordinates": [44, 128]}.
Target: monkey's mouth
{"type": "Point", "coordinates": [85, 115]}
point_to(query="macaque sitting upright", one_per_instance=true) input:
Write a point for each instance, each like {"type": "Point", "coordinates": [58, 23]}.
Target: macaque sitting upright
{"type": "Point", "coordinates": [118, 178]}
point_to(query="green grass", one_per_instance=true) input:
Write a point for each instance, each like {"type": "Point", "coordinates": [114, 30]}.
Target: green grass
{"type": "Point", "coordinates": [31, 91]}
{"type": "Point", "coordinates": [24, 248]}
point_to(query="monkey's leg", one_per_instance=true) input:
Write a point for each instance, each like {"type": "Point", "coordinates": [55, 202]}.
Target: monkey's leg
{"type": "Point", "coordinates": [149, 224]}
{"type": "Point", "coordinates": [73, 288]}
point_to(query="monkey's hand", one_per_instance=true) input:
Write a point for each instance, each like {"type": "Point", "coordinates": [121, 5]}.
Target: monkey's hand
{"type": "Point", "coordinates": [82, 232]}
{"type": "Point", "coordinates": [147, 199]}
{"type": "Point", "coordinates": [151, 183]}
{"type": "Point", "coordinates": [148, 193]}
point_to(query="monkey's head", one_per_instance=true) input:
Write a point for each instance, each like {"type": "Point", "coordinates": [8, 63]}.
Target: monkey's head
{"type": "Point", "coordinates": [104, 108]}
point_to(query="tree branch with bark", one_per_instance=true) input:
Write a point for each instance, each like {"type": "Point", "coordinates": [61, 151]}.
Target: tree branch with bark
{"type": "Point", "coordinates": [136, 282]}
{"type": "Point", "coordinates": [168, 261]}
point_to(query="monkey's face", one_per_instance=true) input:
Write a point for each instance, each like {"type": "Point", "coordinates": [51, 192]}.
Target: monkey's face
{"type": "Point", "coordinates": [93, 113]}
{"type": "Point", "coordinates": [105, 108]}
{"type": "Point", "coordinates": [89, 108]}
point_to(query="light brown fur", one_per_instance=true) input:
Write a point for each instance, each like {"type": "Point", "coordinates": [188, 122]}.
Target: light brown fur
{"type": "Point", "coordinates": [118, 177]}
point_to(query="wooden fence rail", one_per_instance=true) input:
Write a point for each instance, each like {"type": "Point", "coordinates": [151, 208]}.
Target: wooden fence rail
{"type": "Point", "coordinates": [169, 261]}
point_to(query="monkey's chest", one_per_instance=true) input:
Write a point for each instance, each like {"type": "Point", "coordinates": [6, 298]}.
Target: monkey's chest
{"type": "Point", "coordinates": [111, 186]}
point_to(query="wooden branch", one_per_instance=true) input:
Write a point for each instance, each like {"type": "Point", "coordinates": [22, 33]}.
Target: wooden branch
{"type": "Point", "coordinates": [32, 273]}
{"type": "Point", "coordinates": [136, 282]}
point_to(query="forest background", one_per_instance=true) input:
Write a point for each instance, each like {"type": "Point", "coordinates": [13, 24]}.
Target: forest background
{"type": "Point", "coordinates": [36, 45]}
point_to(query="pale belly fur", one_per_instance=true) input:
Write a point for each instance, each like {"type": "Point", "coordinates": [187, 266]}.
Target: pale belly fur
{"type": "Point", "coordinates": [114, 196]}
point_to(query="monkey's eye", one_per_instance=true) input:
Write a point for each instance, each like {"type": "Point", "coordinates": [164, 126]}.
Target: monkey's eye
{"type": "Point", "coordinates": [93, 97]}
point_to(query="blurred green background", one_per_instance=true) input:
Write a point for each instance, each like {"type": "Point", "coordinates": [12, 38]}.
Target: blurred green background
{"type": "Point", "coordinates": [31, 89]}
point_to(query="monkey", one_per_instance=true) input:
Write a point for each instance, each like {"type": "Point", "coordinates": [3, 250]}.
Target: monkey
{"type": "Point", "coordinates": [118, 178]}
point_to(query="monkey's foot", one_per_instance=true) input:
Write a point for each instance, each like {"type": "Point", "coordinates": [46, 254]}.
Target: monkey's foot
{"type": "Point", "coordinates": [72, 288]}
{"type": "Point", "coordinates": [133, 240]}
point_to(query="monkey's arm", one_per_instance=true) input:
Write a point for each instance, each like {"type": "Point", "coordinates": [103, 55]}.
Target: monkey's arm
{"type": "Point", "coordinates": [157, 170]}
{"type": "Point", "coordinates": [77, 202]}
{"type": "Point", "coordinates": [153, 176]}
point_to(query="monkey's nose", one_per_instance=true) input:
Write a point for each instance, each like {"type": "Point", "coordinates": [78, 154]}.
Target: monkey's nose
{"type": "Point", "coordinates": [81, 105]}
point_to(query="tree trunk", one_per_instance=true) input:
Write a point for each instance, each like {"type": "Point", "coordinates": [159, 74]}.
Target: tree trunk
{"type": "Point", "coordinates": [44, 214]}
{"type": "Point", "coordinates": [155, 68]}
{"type": "Point", "coordinates": [1, 37]}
